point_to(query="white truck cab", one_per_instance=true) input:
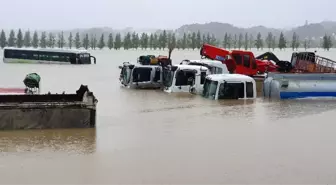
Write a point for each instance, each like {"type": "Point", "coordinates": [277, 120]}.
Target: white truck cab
{"type": "Point", "coordinates": [184, 78]}
{"type": "Point", "coordinates": [190, 75]}
{"type": "Point", "coordinates": [215, 66]}
{"type": "Point", "coordinates": [229, 86]}
{"type": "Point", "coordinates": [140, 76]}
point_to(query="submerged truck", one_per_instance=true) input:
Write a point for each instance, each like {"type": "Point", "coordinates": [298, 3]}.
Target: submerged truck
{"type": "Point", "coordinates": [145, 74]}
{"type": "Point", "coordinates": [310, 76]}
{"type": "Point", "coordinates": [32, 110]}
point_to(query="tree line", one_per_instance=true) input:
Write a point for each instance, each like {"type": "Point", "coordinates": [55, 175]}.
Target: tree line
{"type": "Point", "coordinates": [133, 40]}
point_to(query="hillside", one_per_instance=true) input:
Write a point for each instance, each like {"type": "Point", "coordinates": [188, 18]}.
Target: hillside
{"type": "Point", "coordinates": [315, 30]}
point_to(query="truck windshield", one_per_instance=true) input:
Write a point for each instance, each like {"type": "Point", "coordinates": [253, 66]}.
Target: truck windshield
{"type": "Point", "coordinates": [209, 89]}
{"type": "Point", "coordinates": [142, 74]}
{"type": "Point", "coordinates": [231, 91]}
{"type": "Point", "coordinates": [184, 77]}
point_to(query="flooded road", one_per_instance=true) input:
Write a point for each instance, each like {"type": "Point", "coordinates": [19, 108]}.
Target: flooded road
{"type": "Point", "coordinates": [150, 137]}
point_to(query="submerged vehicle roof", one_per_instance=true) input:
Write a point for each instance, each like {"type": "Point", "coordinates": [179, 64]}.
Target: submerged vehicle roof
{"type": "Point", "coordinates": [192, 67]}
{"type": "Point", "coordinates": [230, 77]}
{"type": "Point", "coordinates": [207, 61]}
{"type": "Point", "coordinates": [48, 50]}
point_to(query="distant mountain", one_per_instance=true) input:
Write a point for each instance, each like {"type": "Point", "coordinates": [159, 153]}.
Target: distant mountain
{"type": "Point", "coordinates": [314, 30]}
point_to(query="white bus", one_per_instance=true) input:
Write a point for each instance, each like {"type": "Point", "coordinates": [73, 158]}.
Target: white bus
{"type": "Point", "coordinates": [47, 56]}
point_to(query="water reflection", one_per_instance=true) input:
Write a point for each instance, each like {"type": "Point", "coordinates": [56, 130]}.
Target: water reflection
{"type": "Point", "coordinates": [71, 141]}
{"type": "Point", "coordinates": [298, 108]}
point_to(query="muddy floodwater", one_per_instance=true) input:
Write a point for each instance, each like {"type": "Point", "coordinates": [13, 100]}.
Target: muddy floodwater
{"type": "Point", "coordinates": [150, 137]}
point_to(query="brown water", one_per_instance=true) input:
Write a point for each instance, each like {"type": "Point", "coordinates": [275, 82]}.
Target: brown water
{"type": "Point", "coordinates": [150, 137]}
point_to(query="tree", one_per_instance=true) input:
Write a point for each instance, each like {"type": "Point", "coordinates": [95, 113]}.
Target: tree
{"type": "Point", "coordinates": [240, 41]}
{"type": "Point", "coordinates": [198, 39]}
{"type": "Point", "coordinates": [77, 41]}
{"type": "Point", "coordinates": [151, 41]}
{"type": "Point", "coordinates": [144, 41]}
{"type": "Point", "coordinates": [43, 40]}
{"type": "Point", "coordinates": [297, 44]}
{"type": "Point", "coordinates": [156, 41]}
{"type": "Point", "coordinates": [269, 40]}
{"type": "Point", "coordinates": [51, 40]}
{"type": "Point", "coordinates": [163, 39]}
{"type": "Point", "coordinates": [235, 41]}
{"type": "Point", "coordinates": [70, 39]}
{"type": "Point", "coordinates": [3, 39]}
{"type": "Point", "coordinates": [60, 41]}
{"type": "Point", "coordinates": [110, 41]}
{"type": "Point", "coordinates": [86, 41]}
{"type": "Point", "coordinates": [225, 41]}
{"type": "Point", "coordinates": [305, 44]}
{"type": "Point", "coordinates": [229, 41]}
{"type": "Point", "coordinates": [246, 42]}
{"type": "Point", "coordinates": [282, 41]}
{"type": "Point", "coordinates": [19, 40]}
{"type": "Point", "coordinates": [93, 42]}
{"type": "Point", "coordinates": [294, 41]}
{"type": "Point", "coordinates": [184, 41]}
{"type": "Point", "coordinates": [171, 44]}
{"type": "Point", "coordinates": [11, 39]}
{"type": "Point", "coordinates": [101, 43]}
{"type": "Point", "coordinates": [27, 39]}
{"type": "Point", "coordinates": [127, 41]}
{"type": "Point", "coordinates": [213, 40]}
{"type": "Point", "coordinates": [135, 40]}
{"type": "Point", "coordinates": [251, 40]}
{"type": "Point", "coordinates": [204, 39]}
{"type": "Point", "coordinates": [273, 43]}
{"type": "Point", "coordinates": [259, 42]}
{"type": "Point", "coordinates": [117, 43]}
{"type": "Point", "coordinates": [35, 41]}
{"type": "Point", "coordinates": [327, 42]}
{"type": "Point", "coordinates": [193, 41]}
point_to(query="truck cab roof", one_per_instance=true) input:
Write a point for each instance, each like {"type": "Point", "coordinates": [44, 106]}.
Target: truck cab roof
{"type": "Point", "coordinates": [230, 77]}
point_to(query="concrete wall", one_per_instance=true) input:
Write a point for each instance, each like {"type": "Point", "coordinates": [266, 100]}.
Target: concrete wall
{"type": "Point", "coordinates": [43, 118]}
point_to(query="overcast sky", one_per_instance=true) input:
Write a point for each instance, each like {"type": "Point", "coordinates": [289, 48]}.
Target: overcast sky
{"type": "Point", "coordinates": [66, 14]}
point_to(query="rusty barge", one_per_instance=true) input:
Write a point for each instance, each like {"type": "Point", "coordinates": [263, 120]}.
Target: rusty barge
{"type": "Point", "coordinates": [48, 111]}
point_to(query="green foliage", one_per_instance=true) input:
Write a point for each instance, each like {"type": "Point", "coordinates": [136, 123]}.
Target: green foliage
{"type": "Point", "coordinates": [70, 40]}
{"type": "Point", "coordinates": [19, 39]}
{"type": "Point", "coordinates": [158, 40]}
{"type": "Point", "coordinates": [259, 42]}
{"type": "Point", "coordinates": [282, 41]}
{"type": "Point", "coordinates": [327, 42]}
{"type": "Point", "coordinates": [110, 41]}
{"type": "Point", "coordinates": [101, 43]}
{"type": "Point", "coordinates": [43, 40]}
{"type": "Point", "coordinates": [27, 42]}
{"type": "Point", "coordinates": [269, 40]}
{"type": "Point", "coordinates": [35, 42]}
{"type": "Point", "coordinates": [11, 39]}
{"type": "Point", "coordinates": [3, 40]}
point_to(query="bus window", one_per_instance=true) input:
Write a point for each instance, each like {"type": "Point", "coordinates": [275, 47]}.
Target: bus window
{"type": "Point", "coordinates": [84, 58]}
{"type": "Point", "coordinates": [35, 56]}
